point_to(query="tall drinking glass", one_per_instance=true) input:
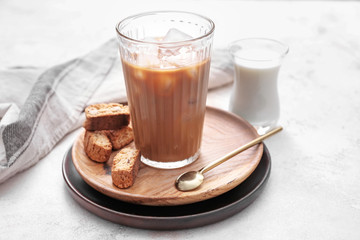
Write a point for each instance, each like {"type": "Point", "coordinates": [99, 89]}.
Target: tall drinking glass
{"type": "Point", "coordinates": [166, 59]}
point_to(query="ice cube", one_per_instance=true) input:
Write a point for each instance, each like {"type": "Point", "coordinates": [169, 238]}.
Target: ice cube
{"type": "Point", "coordinates": [180, 57]}
{"type": "Point", "coordinates": [148, 56]}
{"type": "Point", "coordinates": [193, 73]}
{"type": "Point", "coordinates": [139, 74]}
{"type": "Point", "coordinates": [175, 35]}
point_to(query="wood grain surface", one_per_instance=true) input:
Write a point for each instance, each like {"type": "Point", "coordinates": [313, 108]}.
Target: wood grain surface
{"type": "Point", "coordinates": [223, 132]}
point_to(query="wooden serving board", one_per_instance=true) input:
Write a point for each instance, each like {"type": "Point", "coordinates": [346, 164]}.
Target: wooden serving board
{"type": "Point", "coordinates": [223, 132]}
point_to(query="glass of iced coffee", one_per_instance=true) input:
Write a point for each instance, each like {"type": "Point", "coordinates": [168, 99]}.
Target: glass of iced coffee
{"type": "Point", "coordinates": [166, 59]}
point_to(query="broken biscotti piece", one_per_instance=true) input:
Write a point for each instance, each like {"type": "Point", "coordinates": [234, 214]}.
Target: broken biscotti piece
{"type": "Point", "coordinates": [125, 167]}
{"type": "Point", "coordinates": [106, 116]}
{"type": "Point", "coordinates": [120, 138]}
{"type": "Point", "coordinates": [97, 146]}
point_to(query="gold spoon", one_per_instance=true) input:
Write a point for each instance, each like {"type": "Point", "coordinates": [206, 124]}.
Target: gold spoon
{"type": "Point", "coordinates": [191, 180]}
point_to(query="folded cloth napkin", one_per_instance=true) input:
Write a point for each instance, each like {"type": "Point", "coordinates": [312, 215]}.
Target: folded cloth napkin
{"type": "Point", "coordinates": [38, 108]}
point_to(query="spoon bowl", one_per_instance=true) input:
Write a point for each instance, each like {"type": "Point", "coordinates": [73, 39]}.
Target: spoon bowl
{"type": "Point", "coordinates": [191, 180]}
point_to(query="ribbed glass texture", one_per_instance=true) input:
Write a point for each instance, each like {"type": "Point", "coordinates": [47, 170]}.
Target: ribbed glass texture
{"type": "Point", "coordinates": [166, 62]}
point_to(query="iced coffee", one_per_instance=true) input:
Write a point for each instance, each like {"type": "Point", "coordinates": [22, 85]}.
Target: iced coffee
{"type": "Point", "coordinates": [166, 78]}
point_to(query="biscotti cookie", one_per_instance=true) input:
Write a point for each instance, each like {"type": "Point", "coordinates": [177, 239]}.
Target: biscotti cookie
{"type": "Point", "coordinates": [120, 138]}
{"type": "Point", "coordinates": [97, 146]}
{"type": "Point", "coordinates": [125, 167]}
{"type": "Point", "coordinates": [106, 116]}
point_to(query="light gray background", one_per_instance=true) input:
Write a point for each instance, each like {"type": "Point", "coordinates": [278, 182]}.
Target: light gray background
{"type": "Point", "coordinates": [314, 188]}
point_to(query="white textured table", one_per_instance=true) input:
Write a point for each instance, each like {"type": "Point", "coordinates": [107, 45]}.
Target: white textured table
{"type": "Point", "coordinates": [314, 188]}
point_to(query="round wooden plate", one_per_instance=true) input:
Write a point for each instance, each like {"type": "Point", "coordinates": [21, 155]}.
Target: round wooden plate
{"type": "Point", "coordinates": [167, 217]}
{"type": "Point", "coordinates": [223, 132]}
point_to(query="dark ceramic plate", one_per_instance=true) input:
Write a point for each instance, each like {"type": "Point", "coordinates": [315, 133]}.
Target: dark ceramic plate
{"type": "Point", "coordinates": [167, 217]}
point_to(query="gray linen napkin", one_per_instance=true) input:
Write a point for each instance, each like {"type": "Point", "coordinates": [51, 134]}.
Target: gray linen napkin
{"type": "Point", "coordinates": [33, 121]}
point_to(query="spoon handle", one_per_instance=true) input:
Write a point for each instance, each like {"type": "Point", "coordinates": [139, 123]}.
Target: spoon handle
{"type": "Point", "coordinates": [238, 150]}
